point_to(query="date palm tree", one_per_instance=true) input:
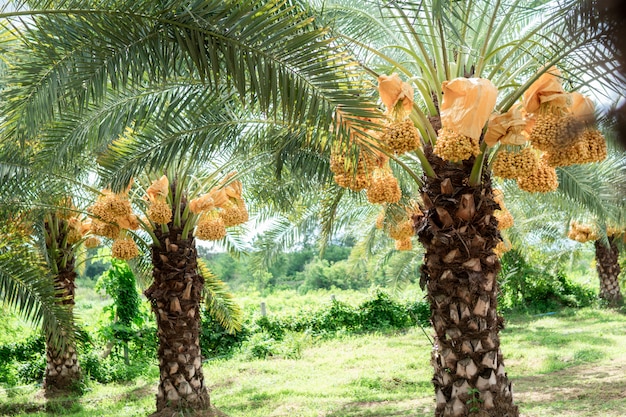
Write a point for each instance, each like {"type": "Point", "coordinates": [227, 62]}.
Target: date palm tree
{"type": "Point", "coordinates": [599, 199]}
{"type": "Point", "coordinates": [433, 45]}
{"type": "Point", "coordinates": [607, 264]}
{"type": "Point", "coordinates": [49, 226]}
{"type": "Point", "coordinates": [27, 287]}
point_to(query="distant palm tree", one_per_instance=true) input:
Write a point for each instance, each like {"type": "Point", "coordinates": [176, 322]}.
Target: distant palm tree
{"type": "Point", "coordinates": [49, 226]}
{"type": "Point", "coordinates": [27, 285]}
{"type": "Point", "coordinates": [607, 264]}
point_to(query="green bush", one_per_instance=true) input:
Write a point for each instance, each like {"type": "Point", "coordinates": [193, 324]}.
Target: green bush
{"type": "Point", "coordinates": [524, 287]}
{"type": "Point", "coordinates": [260, 345]}
{"type": "Point", "coordinates": [287, 335]}
{"type": "Point", "coordinates": [113, 368]}
{"type": "Point", "coordinates": [383, 313]}
{"type": "Point", "coordinates": [215, 341]}
{"type": "Point", "coordinates": [419, 311]}
{"type": "Point", "coordinates": [23, 362]}
{"type": "Point", "coordinates": [32, 371]}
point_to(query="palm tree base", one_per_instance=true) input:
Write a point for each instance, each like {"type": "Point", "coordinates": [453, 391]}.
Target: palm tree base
{"type": "Point", "coordinates": [62, 373]}
{"type": "Point", "coordinates": [173, 412]}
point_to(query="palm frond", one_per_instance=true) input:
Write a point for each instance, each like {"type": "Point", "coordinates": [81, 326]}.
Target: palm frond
{"type": "Point", "coordinates": [264, 50]}
{"type": "Point", "coordinates": [26, 286]}
{"type": "Point", "coordinates": [219, 301]}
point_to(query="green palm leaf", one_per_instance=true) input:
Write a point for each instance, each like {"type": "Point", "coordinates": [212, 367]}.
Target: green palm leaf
{"type": "Point", "coordinates": [26, 286]}
{"type": "Point", "coordinates": [220, 301]}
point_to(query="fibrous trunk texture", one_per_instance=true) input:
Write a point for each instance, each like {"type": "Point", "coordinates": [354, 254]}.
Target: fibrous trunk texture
{"type": "Point", "coordinates": [175, 297]}
{"type": "Point", "coordinates": [458, 231]}
{"type": "Point", "coordinates": [607, 264]}
{"type": "Point", "coordinates": [62, 370]}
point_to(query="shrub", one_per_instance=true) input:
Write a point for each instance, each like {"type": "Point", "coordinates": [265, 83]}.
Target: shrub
{"type": "Point", "coordinates": [32, 371]}
{"type": "Point", "coordinates": [528, 288]}
{"type": "Point", "coordinates": [215, 341]}
{"type": "Point", "coordinates": [419, 311]}
{"type": "Point", "coordinates": [383, 313]}
{"type": "Point", "coordinates": [23, 362]}
{"type": "Point", "coordinates": [260, 346]}
{"type": "Point", "coordinates": [113, 368]}
{"type": "Point", "coordinates": [287, 335]}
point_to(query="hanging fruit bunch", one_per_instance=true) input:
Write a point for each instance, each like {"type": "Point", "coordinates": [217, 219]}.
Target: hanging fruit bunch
{"type": "Point", "coordinates": [503, 215]}
{"type": "Point", "coordinates": [589, 146]}
{"type": "Point", "coordinates": [561, 125]}
{"type": "Point", "coordinates": [551, 128]}
{"type": "Point", "coordinates": [159, 211]}
{"type": "Point", "coordinates": [64, 230]}
{"type": "Point", "coordinates": [112, 218]}
{"type": "Point", "coordinates": [581, 232]}
{"type": "Point", "coordinates": [360, 148]}
{"type": "Point", "coordinates": [383, 187]}
{"type": "Point", "coordinates": [543, 180]}
{"type": "Point", "coordinates": [398, 223]}
{"type": "Point", "coordinates": [221, 207]}
{"type": "Point", "coordinates": [555, 127]}
{"type": "Point", "coordinates": [466, 106]}
{"type": "Point", "coordinates": [75, 227]}
{"type": "Point", "coordinates": [210, 214]}
{"type": "Point", "coordinates": [372, 170]}
{"type": "Point", "coordinates": [515, 156]}
{"type": "Point", "coordinates": [400, 134]}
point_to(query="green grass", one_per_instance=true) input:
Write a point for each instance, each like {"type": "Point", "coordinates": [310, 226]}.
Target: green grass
{"type": "Point", "coordinates": [570, 364]}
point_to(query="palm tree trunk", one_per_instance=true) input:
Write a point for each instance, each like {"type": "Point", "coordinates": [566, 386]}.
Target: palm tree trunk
{"type": "Point", "coordinates": [175, 297]}
{"type": "Point", "coordinates": [458, 231]}
{"type": "Point", "coordinates": [62, 370]}
{"type": "Point", "coordinates": [607, 264]}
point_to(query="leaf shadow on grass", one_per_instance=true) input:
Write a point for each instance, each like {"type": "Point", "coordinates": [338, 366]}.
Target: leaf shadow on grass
{"type": "Point", "coordinates": [51, 406]}
{"type": "Point", "coordinates": [376, 409]}
{"type": "Point", "coordinates": [580, 390]}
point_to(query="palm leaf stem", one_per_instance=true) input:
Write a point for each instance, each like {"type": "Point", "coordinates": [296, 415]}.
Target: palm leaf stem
{"type": "Point", "coordinates": [408, 170]}
{"type": "Point", "coordinates": [428, 169]}
{"type": "Point", "coordinates": [444, 51]}
{"type": "Point", "coordinates": [477, 168]}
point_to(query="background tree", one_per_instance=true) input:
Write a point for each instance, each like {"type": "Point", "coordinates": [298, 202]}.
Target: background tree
{"type": "Point", "coordinates": [43, 209]}
{"type": "Point", "coordinates": [26, 286]}
{"type": "Point", "coordinates": [120, 284]}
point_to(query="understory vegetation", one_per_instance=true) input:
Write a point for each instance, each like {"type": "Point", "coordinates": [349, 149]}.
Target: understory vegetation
{"type": "Point", "coordinates": [303, 309]}
{"type": "Point", "coordinates": [355, 375]}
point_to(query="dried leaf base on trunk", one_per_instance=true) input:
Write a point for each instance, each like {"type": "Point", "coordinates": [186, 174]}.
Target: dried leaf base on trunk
{"type": "Point", "coordinates": [459, 232]}
{"type": "Point", "coordinates": [607, 264]}
{"type": "Point", "coordinates": [62, 372]}
{"type": "Point", "coordinates": [175, 297]}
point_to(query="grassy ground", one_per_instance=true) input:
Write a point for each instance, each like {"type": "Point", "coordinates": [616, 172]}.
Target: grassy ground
{"type": "Point", "coordinates": [570, 364]}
